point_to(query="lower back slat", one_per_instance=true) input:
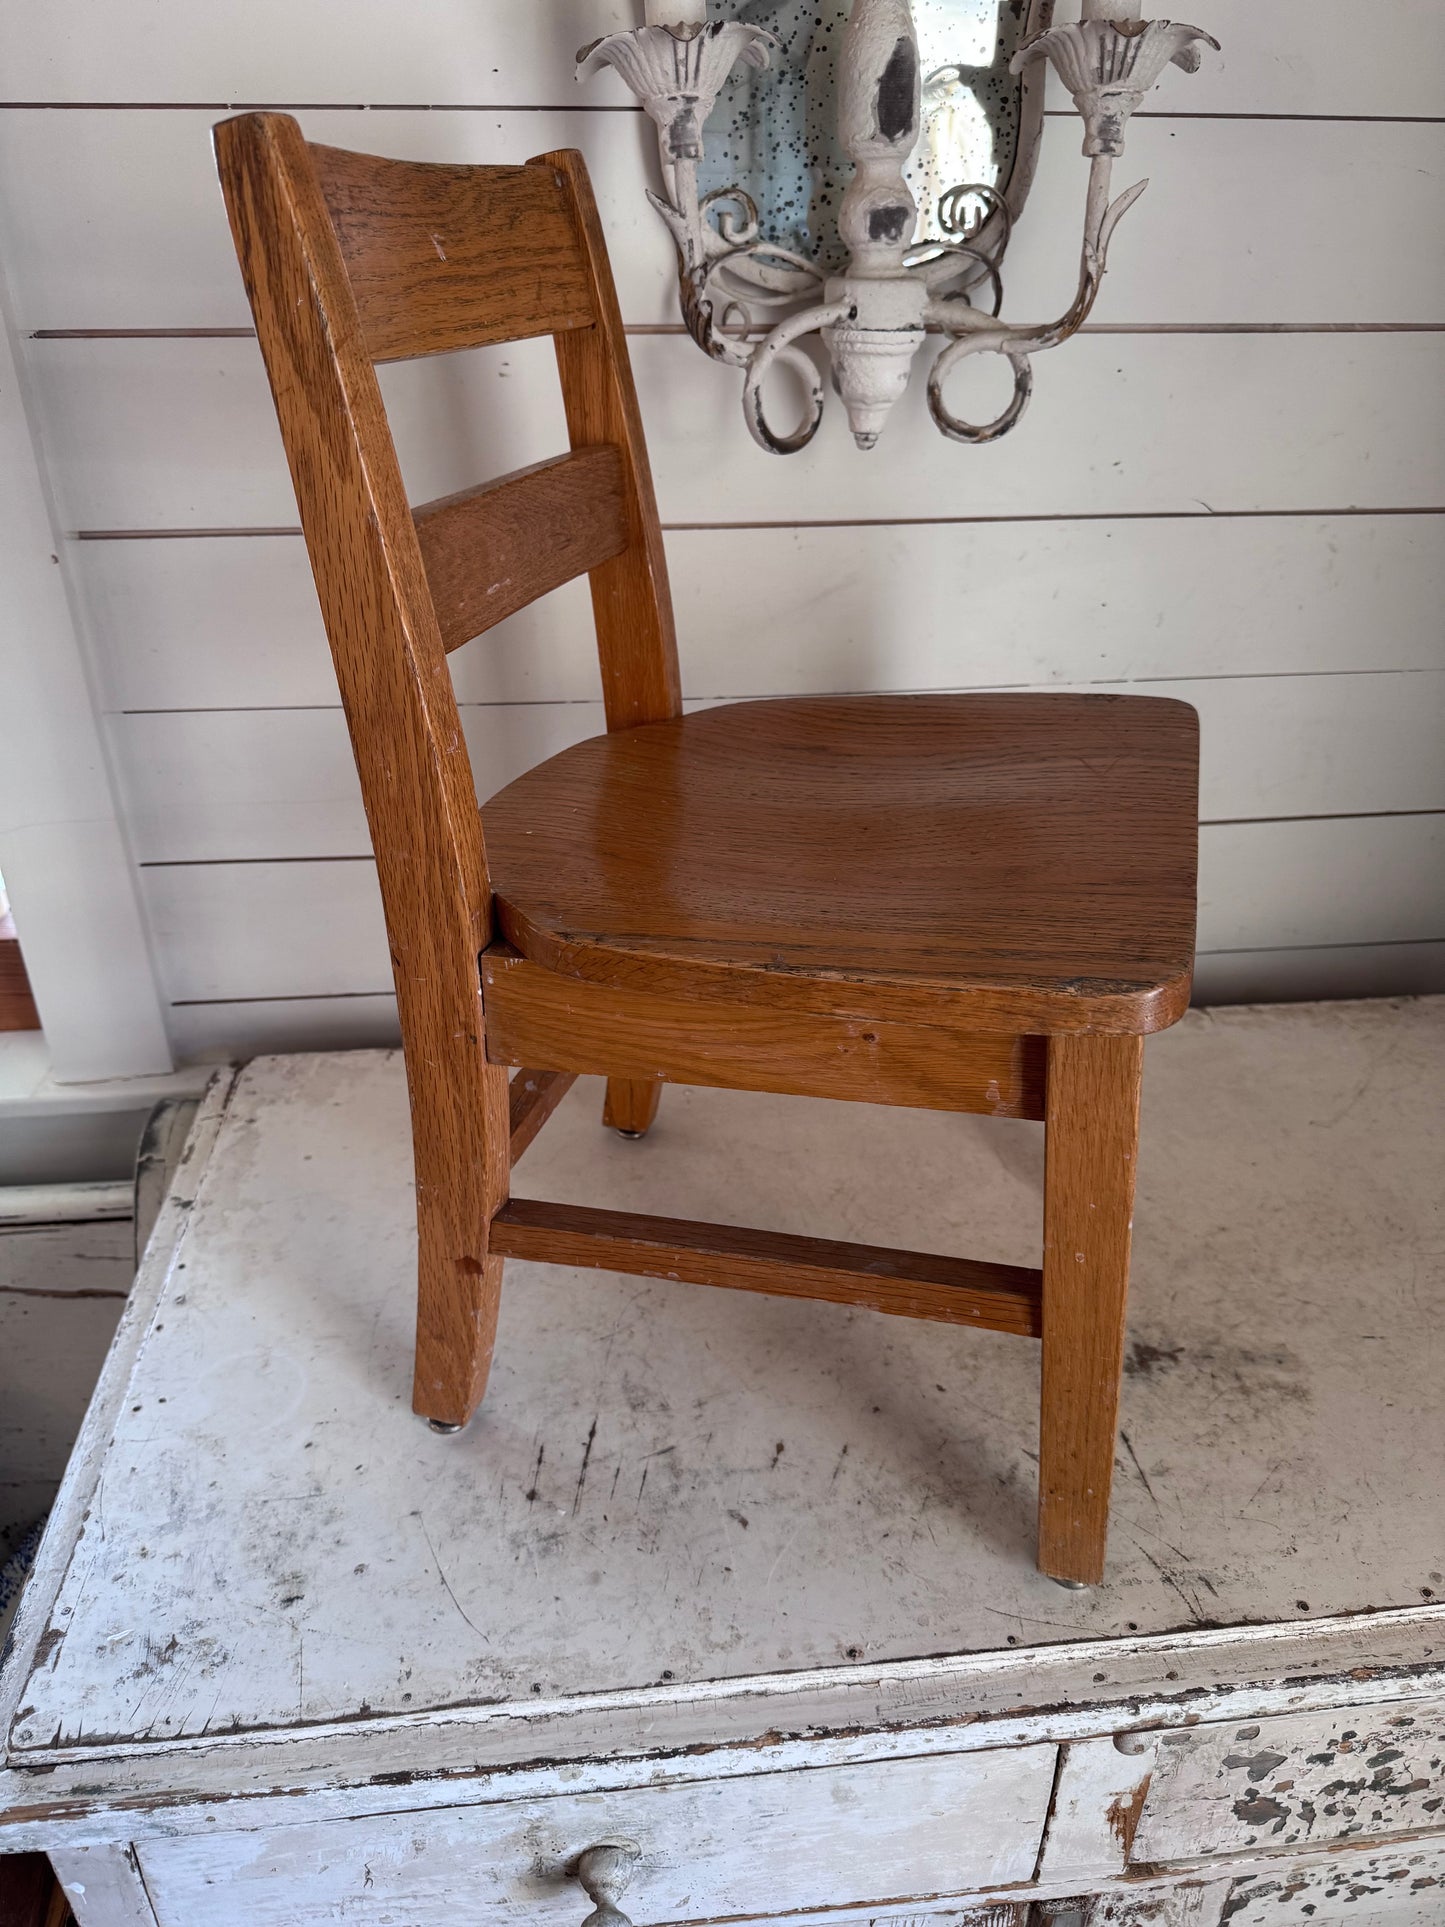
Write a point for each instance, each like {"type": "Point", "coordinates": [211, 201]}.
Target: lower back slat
{"type": "Point", "coordinates": [491, 550]}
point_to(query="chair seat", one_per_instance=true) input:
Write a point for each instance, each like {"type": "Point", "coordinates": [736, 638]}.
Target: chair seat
{"type": "Point", "coordinates": [1004, 861]}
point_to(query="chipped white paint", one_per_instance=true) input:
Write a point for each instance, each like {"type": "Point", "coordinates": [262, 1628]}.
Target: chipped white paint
{"type": "Point", "coordinates": [1305, 1781]}
{"type": "Point", "coordinates": [104, 1886]}
{"type": "Point", "coordinates": [775, 1843]}
{"type": "Point", "coordinates": [1399, 1889]}
{"type": "Point", "coordinates": [1101, 1787]}
{"type": "Point", "coordinates": [204, 1675]}
{"type": "Point", "coordinates": [1185, 1906]}
{"type": "Point", "coordinates": [1108, 65]}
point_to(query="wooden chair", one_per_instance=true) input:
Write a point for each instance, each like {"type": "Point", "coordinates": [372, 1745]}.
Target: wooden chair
{"type": "Point", "coordinates": [971, 903]}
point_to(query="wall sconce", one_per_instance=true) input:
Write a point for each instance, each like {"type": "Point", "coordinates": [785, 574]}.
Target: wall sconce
{"type": "Point", "coordinates": [872, 281]}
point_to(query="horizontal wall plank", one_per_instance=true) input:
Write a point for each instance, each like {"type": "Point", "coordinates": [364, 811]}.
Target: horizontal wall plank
{"type": "Point", "coordinates": [277, 51]}
{"type": "Point", "coordinates": [1240, 223]}
{"type": "Point", "coordinates": [222, 786]}
{"type": "Point", "coordinates": [228, 785]}
{"type": "Point", "coordinates": [278, 930]}
{"type": "Point", "coordinates": [1321, 975]}
{"type": "Point", "coordinates": [287, 930]}
{"type": "Point", "coordinates": [1358, 880]}
{"type": "Point", "coordinates": [181, 434]}
{"type": "Point", "coordinates": [1279, 57]}
{"type": "Point", "coordinates": [114, 220]}
{"type": "Point", "coordinates": [227, 1032]}
{"type": "Point", "coordinates": [217, 623]}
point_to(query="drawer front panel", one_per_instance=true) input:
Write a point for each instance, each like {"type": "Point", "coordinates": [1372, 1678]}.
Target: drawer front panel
{"type": "Point", "coordinates": [779, 1842]}
{"type": "Point", "coordinates": [1303, 1781]}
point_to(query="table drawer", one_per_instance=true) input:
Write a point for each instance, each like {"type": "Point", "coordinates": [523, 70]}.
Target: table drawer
{"type": "Point", "coordinates": [771, 1843]}
{"type": "Point", "coordinates": [1302, 1781]}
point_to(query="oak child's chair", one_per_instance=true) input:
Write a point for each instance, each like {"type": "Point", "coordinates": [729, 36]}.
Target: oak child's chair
{"type": "Point", "coordinates": [971, 903]}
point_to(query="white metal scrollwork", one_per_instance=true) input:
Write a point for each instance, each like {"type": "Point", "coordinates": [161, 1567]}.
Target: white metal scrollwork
{"type": "Point", "coordinates": [873, 318]}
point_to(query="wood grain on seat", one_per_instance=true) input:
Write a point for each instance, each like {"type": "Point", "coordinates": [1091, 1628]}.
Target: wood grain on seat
{"type": "Point", "coordinates": [1019, 862]}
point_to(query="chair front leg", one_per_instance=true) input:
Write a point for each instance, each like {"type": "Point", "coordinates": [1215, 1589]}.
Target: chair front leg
{"type": "Point", "coordinates": [463, 1175]}
{"type": "Point", "coordinates": [1091, 1146]}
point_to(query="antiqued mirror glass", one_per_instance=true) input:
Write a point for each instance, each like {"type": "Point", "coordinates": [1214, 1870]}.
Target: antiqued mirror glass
{"type": "Point", "coordinates": [773, 133]}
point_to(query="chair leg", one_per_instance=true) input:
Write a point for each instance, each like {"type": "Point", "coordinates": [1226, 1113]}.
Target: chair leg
{"type": "Point", "coordinates": [1092, 1136]}
{"type": "Point", "coordinates": [631, 1105]}
{"type": "Point", "coordinates": [463, 1175]}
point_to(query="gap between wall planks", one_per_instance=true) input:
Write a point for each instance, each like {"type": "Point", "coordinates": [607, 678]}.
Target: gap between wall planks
{"type": "Point", "coordinates": [758, 334]}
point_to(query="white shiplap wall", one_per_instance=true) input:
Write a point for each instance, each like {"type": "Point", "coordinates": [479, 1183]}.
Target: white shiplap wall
{"type": "Point", "coordinates": [1232, 489]}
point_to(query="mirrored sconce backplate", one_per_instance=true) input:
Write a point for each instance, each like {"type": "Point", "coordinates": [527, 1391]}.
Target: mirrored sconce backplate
{"type": "Point", "coordinates": [774, 131]}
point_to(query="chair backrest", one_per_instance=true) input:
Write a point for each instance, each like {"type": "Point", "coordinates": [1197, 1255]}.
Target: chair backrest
{"type": "Point", "coordinates": [350, 260]}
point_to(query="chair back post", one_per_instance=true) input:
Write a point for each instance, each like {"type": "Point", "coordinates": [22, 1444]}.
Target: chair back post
{"type": "Point", "coordinates": [412, 759]}
{"type": "Point", "coordinates": [631, 600]}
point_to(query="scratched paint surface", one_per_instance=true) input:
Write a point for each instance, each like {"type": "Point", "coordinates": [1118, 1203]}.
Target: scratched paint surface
{"type": "Point", "coordinates": [1378, 1890]}
{"type": "Point", "coordinates": [669, 1484]}
{"type": "Point", "coordinates": [1306, 1781]}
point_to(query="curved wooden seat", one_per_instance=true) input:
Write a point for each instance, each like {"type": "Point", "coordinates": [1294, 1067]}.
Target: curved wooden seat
{"type": "Point", "coordinates": [1021, 860]}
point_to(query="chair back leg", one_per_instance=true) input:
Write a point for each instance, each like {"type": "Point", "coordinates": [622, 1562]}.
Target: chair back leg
{"type": "Point", "coordinates": [1091, 1147]}
{"type": "Point", "coordinates": [631, 1105]}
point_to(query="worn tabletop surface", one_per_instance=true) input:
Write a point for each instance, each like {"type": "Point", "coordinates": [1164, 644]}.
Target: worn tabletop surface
{"type": "Point", "coordinates": [668, 1483]}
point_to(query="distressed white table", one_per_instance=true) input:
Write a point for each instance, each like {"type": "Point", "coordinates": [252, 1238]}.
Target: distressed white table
{"type": "Point", "coordinates": [748, 1582]}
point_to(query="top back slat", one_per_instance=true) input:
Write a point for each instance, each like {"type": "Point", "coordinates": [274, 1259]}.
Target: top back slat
{"type": "Point", "coordinates": [442, 257]}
